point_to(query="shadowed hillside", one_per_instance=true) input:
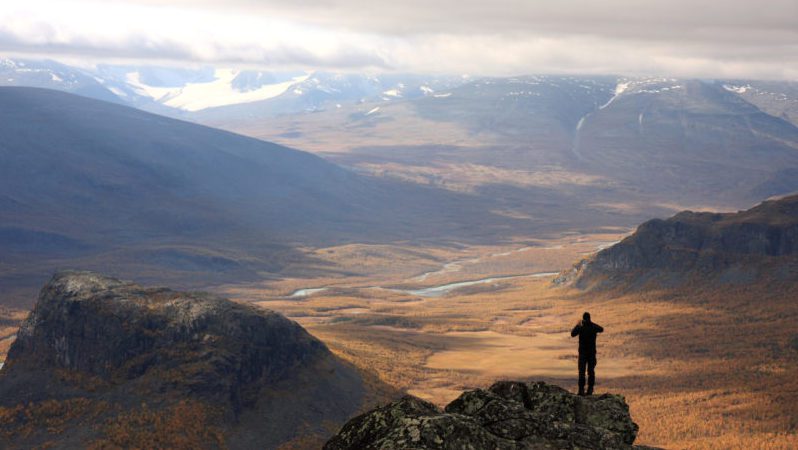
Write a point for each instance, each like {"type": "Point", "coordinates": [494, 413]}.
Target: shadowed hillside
{"type": "Point", "coordinates": [103, 363]}
{"type": "Point", "coordinates": [90, 184]}
{"type": "Point", "coordinates": [744, 247]}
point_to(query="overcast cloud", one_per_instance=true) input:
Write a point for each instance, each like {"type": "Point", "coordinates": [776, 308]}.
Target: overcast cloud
{"type": "Point", "coordinates": [696, 38]}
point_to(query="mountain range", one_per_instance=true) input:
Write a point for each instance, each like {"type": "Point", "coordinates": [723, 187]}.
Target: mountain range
{"type": "Point", "coordinates": [643, 145]}
{"type": "Point", "coordinates": [214, 93]}
{"type": "Point", "coordinates": [219, 92]}
{"type": "Point", "coordinates": [99, 183]}
{"type": "Point", "coordinates": [643, 141]}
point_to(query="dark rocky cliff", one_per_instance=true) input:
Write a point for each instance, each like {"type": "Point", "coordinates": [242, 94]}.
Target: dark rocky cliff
{"type": "Point", "coordinates": [508, 415]}
{"type": "Point", "coordinates": [732, 245]}
{"type": "Point", "coordinates": [110, 342]}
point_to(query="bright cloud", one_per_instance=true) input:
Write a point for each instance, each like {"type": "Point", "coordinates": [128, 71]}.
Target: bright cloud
{"type": "Point", "coordinates": [676, 37]}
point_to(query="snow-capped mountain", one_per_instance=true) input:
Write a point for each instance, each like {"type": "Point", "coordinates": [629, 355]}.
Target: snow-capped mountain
{"type": "Point", "coordinates": [226, 95]}
{"type": "Point", "coordinates": [207, 90]}
{"type": "Point", "coordinates": [325, 86]}
{"type": "Point", "coordinates": [320, 91]}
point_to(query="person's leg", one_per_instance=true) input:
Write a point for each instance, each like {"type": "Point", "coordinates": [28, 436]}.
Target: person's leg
{"type": "Point", "coordinates": [582, 365]}
{"type": "Point", "coordinates": [591, 374]}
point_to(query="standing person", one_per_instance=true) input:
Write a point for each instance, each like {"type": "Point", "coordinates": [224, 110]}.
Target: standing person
{"type": "Point", "coordinates": [587, 331]}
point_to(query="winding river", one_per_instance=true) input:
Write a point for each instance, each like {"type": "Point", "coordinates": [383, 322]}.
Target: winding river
{"type": "Point", "coordinates": [306, 292]}
{"type": "Point", "coordinates": [440, 291]}
{"type": "Point", "coordinates": [433, 291]}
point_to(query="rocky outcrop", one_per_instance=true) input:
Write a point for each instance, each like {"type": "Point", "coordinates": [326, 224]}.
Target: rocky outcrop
{"type": "Point", "coordinates": [112, 342]}
{"type": "Point", "coordinates": [508, 415]}
{"type": "Point", "coordinates": [691, 243]}
{"type": "Point", "coordinates": [119, 331]}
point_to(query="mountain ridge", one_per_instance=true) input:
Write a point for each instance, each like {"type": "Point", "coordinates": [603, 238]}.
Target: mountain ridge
{"type": "Point", "coordinates": [736, 247]}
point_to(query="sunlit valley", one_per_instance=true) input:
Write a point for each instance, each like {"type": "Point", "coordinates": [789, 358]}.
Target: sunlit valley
{"type": "Point", "coordinates": [353, 254]}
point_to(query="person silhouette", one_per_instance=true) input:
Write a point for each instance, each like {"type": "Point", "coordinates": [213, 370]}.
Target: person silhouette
{"type": "Point", "coordinates": [587, 331]}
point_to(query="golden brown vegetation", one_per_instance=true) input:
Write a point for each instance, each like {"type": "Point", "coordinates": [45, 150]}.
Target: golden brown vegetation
{"type": "Point", "coordinates": [184, 426]}
{"type": "Point", "coordinates": [702, 366]}
{"type": "Point", "coordinates": [52, 415]}
{"type": "Point", "coordinates": [10, 320]}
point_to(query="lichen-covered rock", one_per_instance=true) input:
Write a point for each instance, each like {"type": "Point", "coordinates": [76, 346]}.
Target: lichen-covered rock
{"type": "Point", "coordinates": [413, 423]}
{"type": "Point", "coordinates": [508, 415]}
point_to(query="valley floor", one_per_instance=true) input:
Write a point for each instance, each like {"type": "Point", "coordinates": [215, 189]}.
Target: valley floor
{"type": "Point", "coordinates": [701, 367]}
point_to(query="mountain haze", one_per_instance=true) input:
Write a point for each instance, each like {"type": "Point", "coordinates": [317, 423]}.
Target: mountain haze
{"type": "Point", "coordinates": [633, 141]}
{"type": "Point", "coordinates": [640, 140]}
{"type": "Point", "coordinates": [91, 183]}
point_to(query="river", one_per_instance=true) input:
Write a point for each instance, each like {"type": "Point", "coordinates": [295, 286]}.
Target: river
{"type": "Point", "coordinates": [433, 291]}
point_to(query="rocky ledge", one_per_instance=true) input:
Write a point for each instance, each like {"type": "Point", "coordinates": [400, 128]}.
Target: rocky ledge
{"type": "Point", "coordinates": [508, 415]}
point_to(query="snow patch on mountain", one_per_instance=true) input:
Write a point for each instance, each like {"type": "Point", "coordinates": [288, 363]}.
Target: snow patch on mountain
{"type": "Point", "coordinates": [646, 85]}
{"type": "Point", "coordinates": [620, 88]}
{"type": "Point", "coordinates": [117, 91]}
{"type": "Point", "coordinates": [737, 89]}
{"type": "Point", "coordinates": [219, 92]}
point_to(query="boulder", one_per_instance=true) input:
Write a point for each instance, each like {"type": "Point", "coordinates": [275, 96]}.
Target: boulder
{"type": "Point", "coordinates": [508, 415]}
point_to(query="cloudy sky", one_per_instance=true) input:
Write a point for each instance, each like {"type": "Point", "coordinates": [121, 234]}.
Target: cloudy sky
{"type": "Point", "coordinates": [696, 38]}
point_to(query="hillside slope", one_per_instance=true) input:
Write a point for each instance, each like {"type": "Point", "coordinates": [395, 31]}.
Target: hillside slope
{"type": "Point", "coordinates": [90, 184]}
{"type": "Point", "coordinates": [692, 140]}
{"type": "Point", "coordinates": [741, 247]}
{"type": "Point", "coordinates": [633, 143]}
{"type": "Point", "coordinates": [101, 362]}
